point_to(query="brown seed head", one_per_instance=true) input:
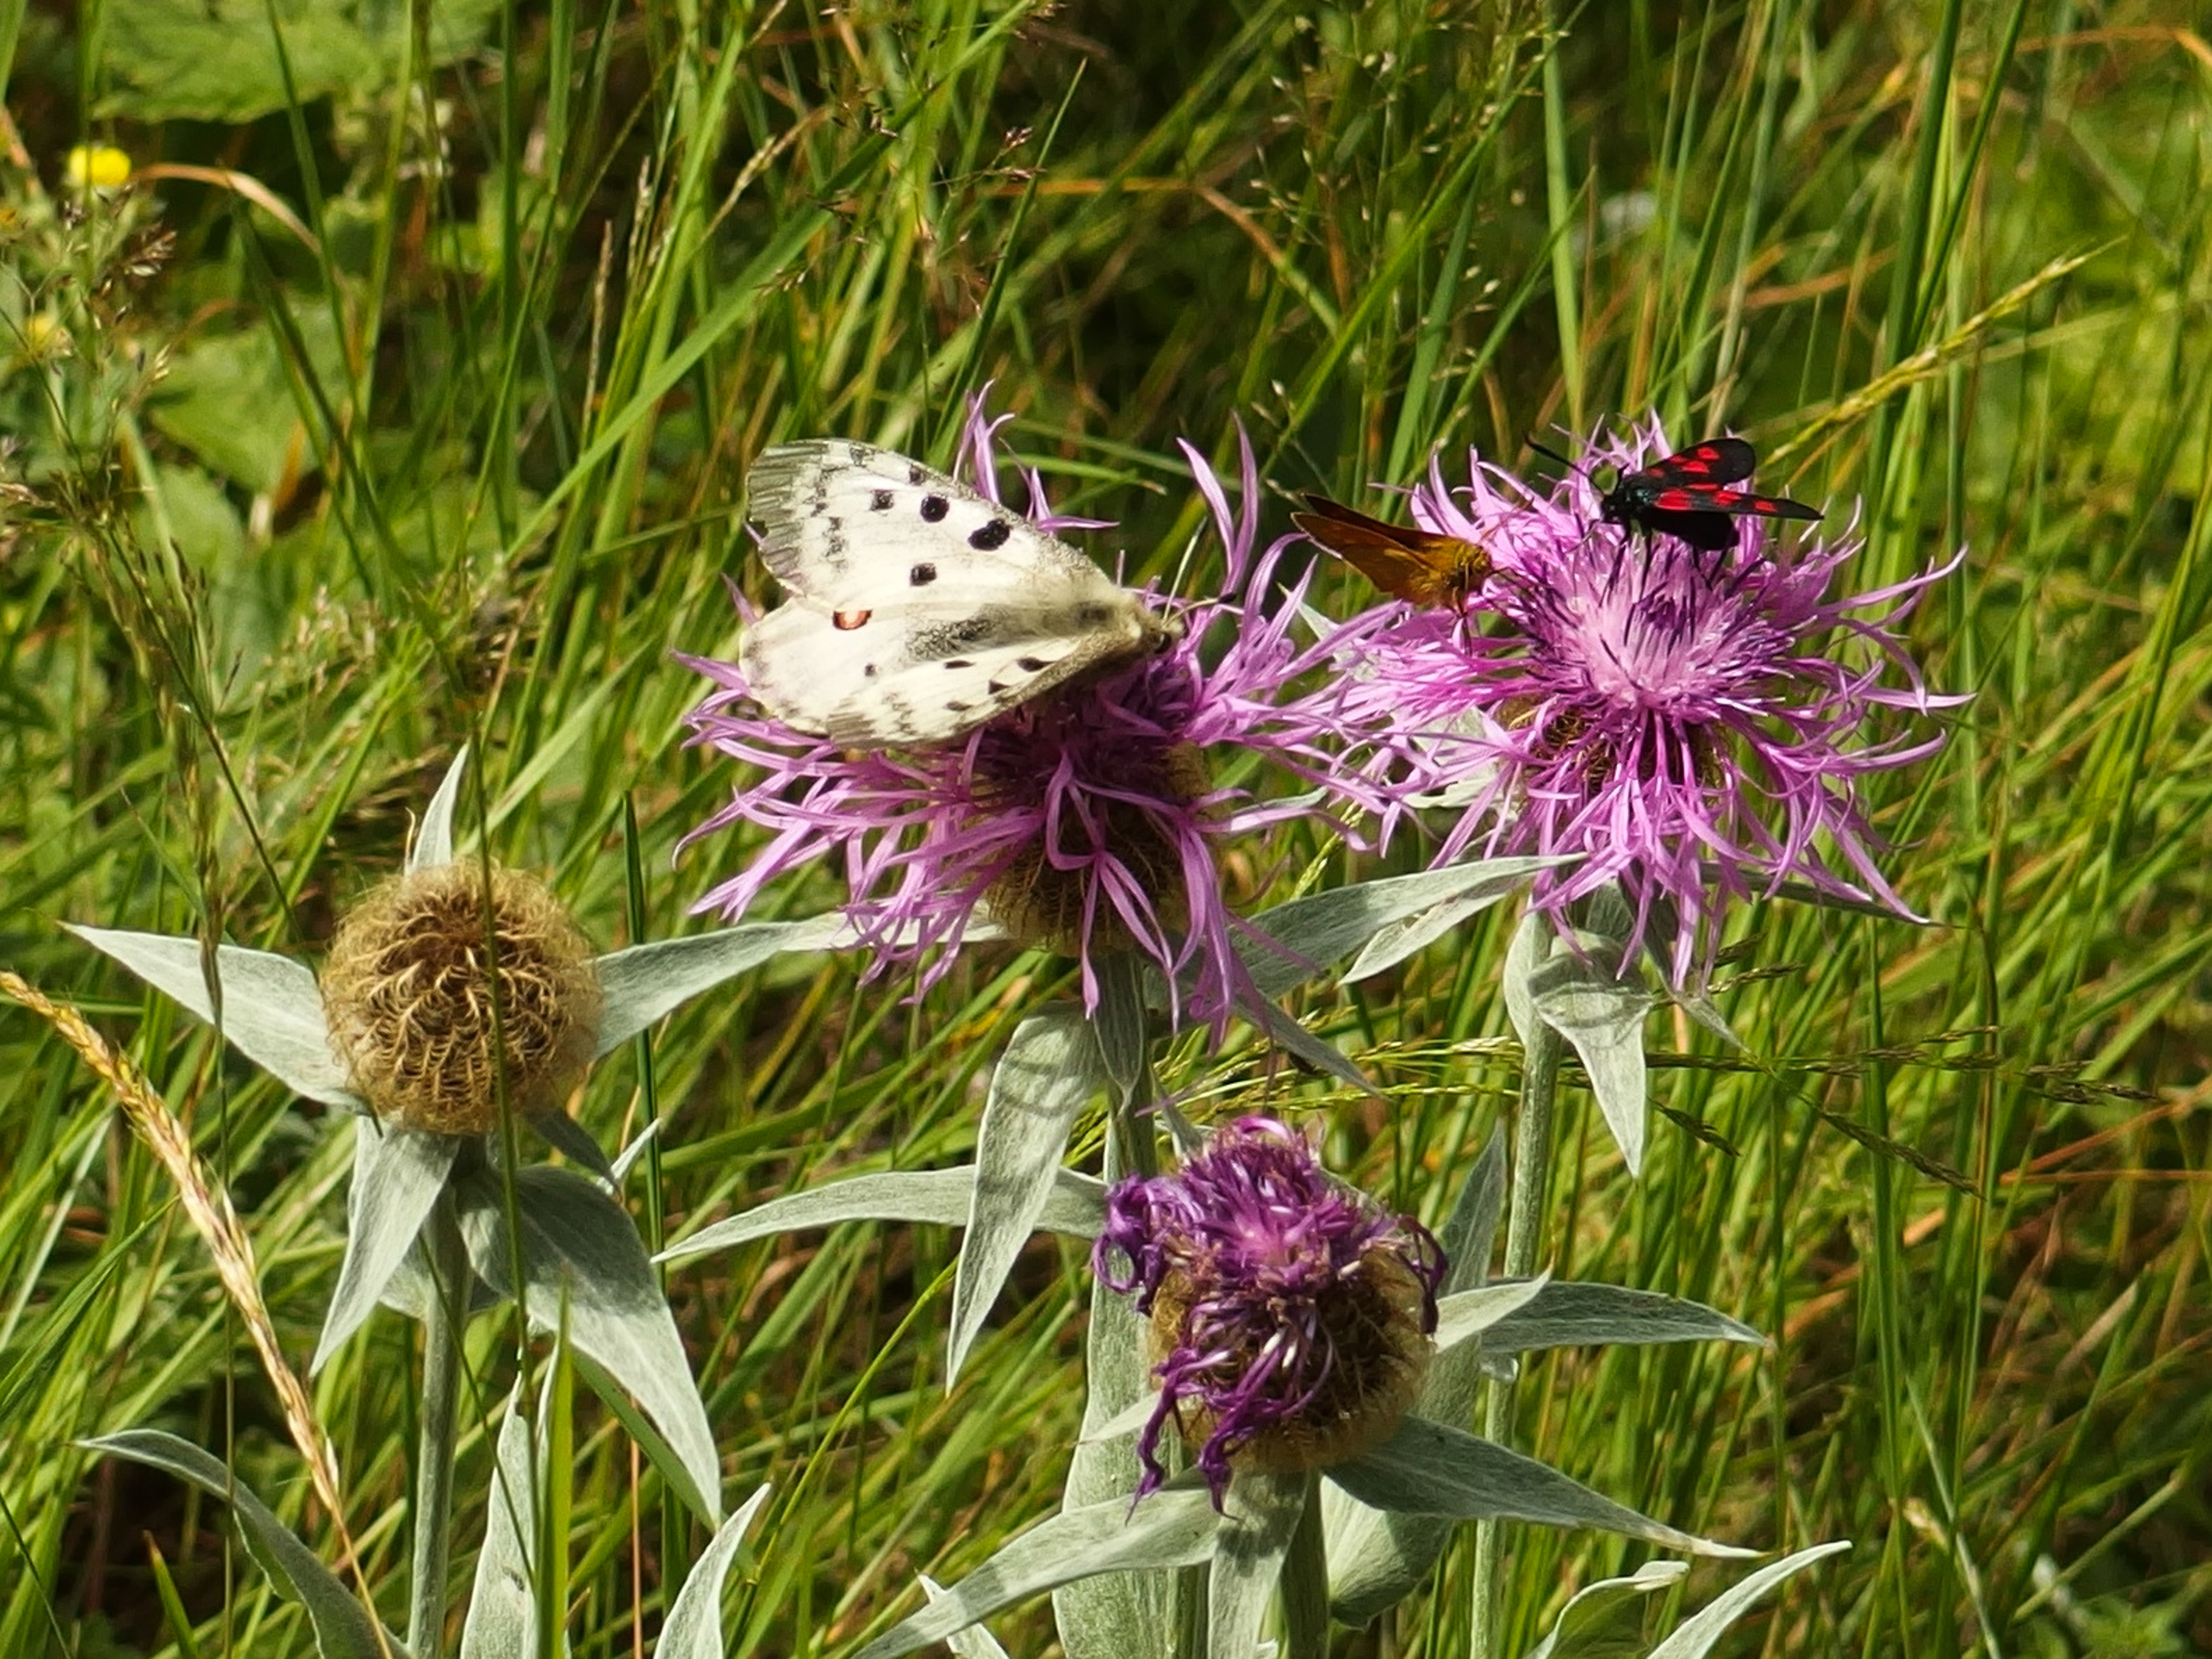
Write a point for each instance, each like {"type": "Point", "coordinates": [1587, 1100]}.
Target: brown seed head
{"type": "Point", "coordinates": [432, 968]}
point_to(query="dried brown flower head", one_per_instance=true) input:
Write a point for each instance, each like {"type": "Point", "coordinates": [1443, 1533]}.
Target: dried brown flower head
{"type": "Point", "coordinates": [448, 985]}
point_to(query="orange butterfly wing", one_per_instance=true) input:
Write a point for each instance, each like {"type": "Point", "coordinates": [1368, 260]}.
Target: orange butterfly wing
{"type": "Point", "coordinates": [1429, 570]}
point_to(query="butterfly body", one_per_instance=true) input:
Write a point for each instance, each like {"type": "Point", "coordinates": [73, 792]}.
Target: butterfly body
{"type": "Point", "coordinates": [917, 609]}
{"type": "Point", "coordinates": [1688, 495]}
{"type": "Point", "coordinates": [1419, 566]}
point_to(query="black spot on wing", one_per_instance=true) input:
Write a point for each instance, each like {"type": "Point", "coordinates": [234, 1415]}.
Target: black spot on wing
{"type": "Point", "coordinates": [916, 476]}
{"type": "Point", "coordinates": [933, 508]}
{"type": "Point", "coordinates": [1030, 665]}
{"type": "Point", "coordinates": [879, 500]}
{"type": "Point", "coordinates": [989, 536]}
{"type": "Point", "coordinates": [922, 574]}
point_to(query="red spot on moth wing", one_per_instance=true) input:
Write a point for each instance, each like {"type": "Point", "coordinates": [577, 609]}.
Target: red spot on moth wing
{"type": "Point", "coordinates": [1683, 501]}
{"type": "Point", "coordinates": [1726, 459]}
{"type": "Point", "coordinates": [1733, 501]}
{"type": "Point", "coordinates": [848, 621]}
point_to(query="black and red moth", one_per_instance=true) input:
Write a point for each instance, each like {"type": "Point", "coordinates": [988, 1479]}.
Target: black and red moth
{"type": "Point", "coordinates": [1687, 495]}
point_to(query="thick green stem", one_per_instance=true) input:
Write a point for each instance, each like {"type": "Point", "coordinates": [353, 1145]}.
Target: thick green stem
{"type": "Point", "coordinates": [1526, 1211]}
{"type": "Point", "coordinates": [439, 1425]}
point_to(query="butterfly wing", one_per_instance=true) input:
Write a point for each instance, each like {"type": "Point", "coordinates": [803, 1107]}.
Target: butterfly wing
{"type": "Point", "coordinates": [917, 609]}
{"type": "Point", "coordinates": [1714, 461]}
{"type": "Point", "coordinates": [1415, 565]}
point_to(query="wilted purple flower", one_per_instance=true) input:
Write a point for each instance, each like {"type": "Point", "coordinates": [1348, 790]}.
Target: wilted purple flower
{"type": "Point", "coordinates": [1085, 821]}
{"type": "Point", "coordinates": [1291, 1315]}
{"type": "Point", "coordinates": [1691, 725]}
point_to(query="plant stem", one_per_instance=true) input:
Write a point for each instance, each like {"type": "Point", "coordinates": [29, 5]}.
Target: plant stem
{"type": "Point", "coordinates": [438, 1435]}
{"type": "Point", "coordinates": [1526, 1206]}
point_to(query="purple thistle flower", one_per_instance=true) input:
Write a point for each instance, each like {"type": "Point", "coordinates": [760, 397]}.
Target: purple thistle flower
{"type": "Point", "coordinates": [1085, 821]}
{"type": "Point", "coordinates": [1291, 1314]}
{"type": "Point", "coordinates": [1688, 725]}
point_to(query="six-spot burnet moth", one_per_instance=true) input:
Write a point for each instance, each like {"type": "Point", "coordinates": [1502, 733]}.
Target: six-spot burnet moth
{"type": "Point", "coordinates": [1686, 495]}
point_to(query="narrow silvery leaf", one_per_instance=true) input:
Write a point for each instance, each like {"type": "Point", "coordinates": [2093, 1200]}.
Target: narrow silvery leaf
{"type": "Point", "coordinates": [1378, 1559]}
{"type": "Point", "coordinates": [639, 985]}
{"type": "Point", "coordinates": [1569, 1316]}
{"type": "Point", "coordinates": [1530, 947]}
{"type": "Point", "coordinates": [1125, 1613]}
{"type": "Point", "coordinates": [1263, 1510]}
{"type": "Point", "coordinates": [1694, 1638]}
{"type": "Point", "coordinates": [1301, 937]}
{"type": "Point", "coordinates": [587, 1271]}
{"type": "Point", "coordinates": [397, 1177]}
{"type": "Point", "coordinates": [1461, 1315]}
{"type": "Point", "coordinates": [1429, 1468]}
{"type": "Point", "coordinates": [1601, 1015]}
{"type": "Point", "coordinates": [503, 1617]}
{"type": "Point", "coordinates": [626, 1160]}
{"type": "Point", "coordinates": [1287, 1034]}
{"type": "Point", "coordinates": [272, 1012]}
{"type": "Point", "coordinates": [1186, 1136]}
{"type": "Point", "coordinates": [1471, 1231]}
{"type": "Point", "coordinates": [1120, 1021]}
{"type": "Point", "coordinates": [1394, 943]}
{"type": "Point", "coordinates": [1076, 1205]}
{"type": "Point", "coordinates": [344, 1629]}
{"type": "Point", "coordinates": [1606, 1621]}
{"type": "Point", "coordinates": [694, 1629]}
{"type": "Point", "coordinates": [975, 1642]}
{"type": "Point", "coordinates": [1050, 1070]}
{"type": "Point", "coordinates": [564, 1135]}
{"type": "Point", "coordinates": [434, 840]}
{"type": "Point", "coordinates": [1175, 1526]}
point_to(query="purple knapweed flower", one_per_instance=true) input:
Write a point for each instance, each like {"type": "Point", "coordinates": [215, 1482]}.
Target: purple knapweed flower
{"type": "Point", "coordinates": [1085, 821]}
{"type": "Point", "coordinates": [1691, 726]}
{"type": "Point", "coordinates": [1291, 1315]}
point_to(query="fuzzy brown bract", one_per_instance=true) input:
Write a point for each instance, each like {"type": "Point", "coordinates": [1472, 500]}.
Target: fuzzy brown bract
{"type": "Point", "coordinates": [447, 987]}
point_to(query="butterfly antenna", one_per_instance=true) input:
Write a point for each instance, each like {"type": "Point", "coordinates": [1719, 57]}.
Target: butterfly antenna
{"type": "Point", "coordinates": [1546, 450]}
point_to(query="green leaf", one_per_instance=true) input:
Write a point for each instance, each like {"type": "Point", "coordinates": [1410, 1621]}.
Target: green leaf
{"type": "Point", "coordinates": [1308, 933]}
{"type": "Point", "coordinates": [1598, 1012]}
{"type": "Point", "coordinates": [1429, 1468]}
{"type": "Point", "coordinates": [1569, 1316]}
{"type": "Point", "coordinates": [1076, 1205]}
{"type": "Point", "coordinates": [587, 1271]}
{"type": "Point", "coordinates": [639, 985]}
{"type": "Point", "coordinates": [1051, 1068]}
{"type": "Point", "coordinates": [1463, 1314]}
{"type": "Point", "coordinates": [1606, 1620]}
{"type": "Point", "coordinates": [1694, 1638]}
{"type": "Point", "coordinates": [694, 1628]}
{"type": "Point", "coordinates": [229, 398]}
{"type": "Point", "coordinates": [217, 60]}
{"type": "Point", "coordinates": [397, 1177]}
{"type": "Point", "coordinates": [272, 1009]}
{"type": "Point", "coordinates": [973, 1643]}
{"type": "Point", "coordinates": [344, 1630]}
{"type": "Point", "coordinates": [1175, 1526]}
{"type": "Point", "coordinates": [1263, 1510]}
{"type": "Point", "coordinates": [503, 1603]}
{"type": "Point", "coordinates": [1127, 1612]}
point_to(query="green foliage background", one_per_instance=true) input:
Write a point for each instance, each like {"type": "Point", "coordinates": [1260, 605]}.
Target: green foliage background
{"type": "Point", "coordinates": [404, 398]}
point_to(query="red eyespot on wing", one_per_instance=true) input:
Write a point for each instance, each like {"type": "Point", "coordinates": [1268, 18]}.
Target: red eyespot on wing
{"type": "Point", "coordinates": [850, 620]}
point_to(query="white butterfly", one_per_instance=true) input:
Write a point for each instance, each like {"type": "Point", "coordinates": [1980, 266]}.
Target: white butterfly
{"type": "Point", "coordinates": [916, 609]}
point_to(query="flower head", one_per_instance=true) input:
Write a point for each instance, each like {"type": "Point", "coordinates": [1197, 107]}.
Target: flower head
{"type": "Point", "coordinates": [1291, 1314]}
{"type": "Point", "coordinates": [1690, 725]}
{"type": "Point", "coordinates": [451, 985]}
{"type": "Point", "coordinates": [1085, 821]}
